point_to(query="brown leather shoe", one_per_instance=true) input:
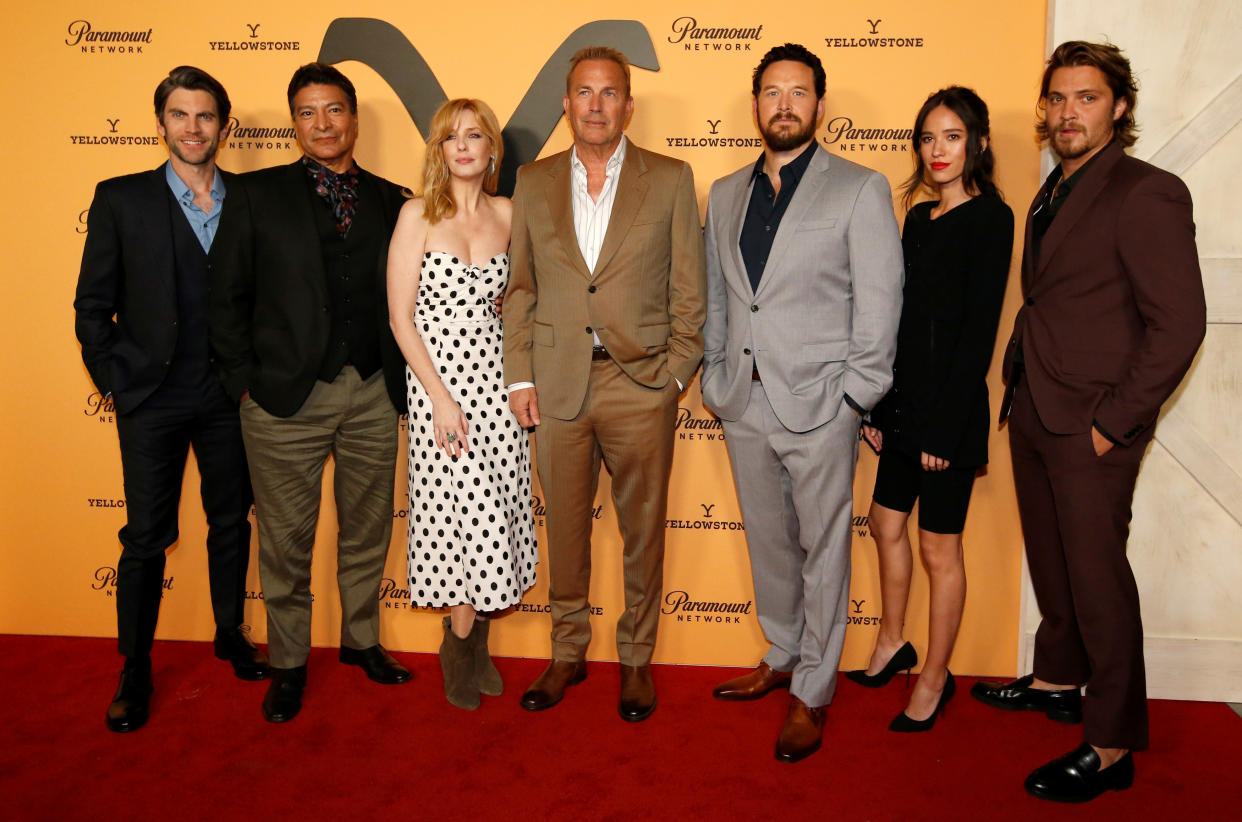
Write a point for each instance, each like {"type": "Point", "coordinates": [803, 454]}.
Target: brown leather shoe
{"type": "Point", "coordinates": [638, 697]}
{"type": "Point", "coordinates": [549, 687]}
{"type": "Point", "coordinates": [802, 732]}
{"type": "Point", "coordinates": [758, 683]}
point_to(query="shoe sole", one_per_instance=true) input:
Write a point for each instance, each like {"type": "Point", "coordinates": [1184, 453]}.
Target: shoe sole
{"type": "Point", "coordinates": [733, 697]}
{"type": "Point", "coordinates": [128, 727]}
{"type": "Point", "coordinates": [278, 719]}
{"type": "Point", "coordinates": [637, 717]}
{"type": "Point", "coordinates": [1075, 800]}
{"type": "Point", "coordinates": [792, 758]}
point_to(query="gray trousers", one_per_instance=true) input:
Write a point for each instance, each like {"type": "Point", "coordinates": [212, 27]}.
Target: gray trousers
{"type": "Point", "coordinates": [796, 496]}
{"type": "Point", "coordinates": [354, 421]}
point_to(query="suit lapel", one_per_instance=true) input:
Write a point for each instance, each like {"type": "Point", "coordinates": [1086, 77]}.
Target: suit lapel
{"type": "Point", "coordinates": [560, 194]}
{"type": "Point", "coordinates": [631, 189]}
{"type": "Point", "coordinates": [1077, 203]}
{"type": "Point", "coordinates": [732, 261]}
{"type": "Point", "coordinates": [302, 219]}
{"type": "Point", "coordinates": [806, 195]}
{"type": "Point", "coordinates": [157, 220]}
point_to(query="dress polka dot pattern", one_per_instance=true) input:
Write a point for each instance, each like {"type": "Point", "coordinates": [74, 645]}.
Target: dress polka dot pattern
{"type": "Point", "coordinates": [471, 529]}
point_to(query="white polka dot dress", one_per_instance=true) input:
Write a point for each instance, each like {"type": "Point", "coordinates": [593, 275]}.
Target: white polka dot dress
{"type": "Point", "coordinates": [471, 529]}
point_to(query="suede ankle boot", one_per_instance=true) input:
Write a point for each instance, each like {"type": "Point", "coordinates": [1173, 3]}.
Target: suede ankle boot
{"type": "Point", "coordinates": [486, 677]}
{"type": "Point", "coordinates": [457, 663]}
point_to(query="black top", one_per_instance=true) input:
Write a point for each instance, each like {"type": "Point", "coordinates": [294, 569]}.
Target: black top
{"type": "Point", "coordinates": [957, 267]}
{"type": "Point", "coordinates": [765, 210]}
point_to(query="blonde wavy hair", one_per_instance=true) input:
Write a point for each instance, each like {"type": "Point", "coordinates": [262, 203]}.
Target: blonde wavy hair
{"type": "Point", "coordinates": [438, 201]}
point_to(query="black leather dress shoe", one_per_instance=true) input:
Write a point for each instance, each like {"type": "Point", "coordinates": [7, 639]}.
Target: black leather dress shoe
{"type": "Point", "coordinates": [129, 708]}
{"type": "Point", "coordinates": [249, 663]}
{"type": "Point", "coordinates": [377, 663]}
{"type": "Point", "coordinates": [1077, 777]}
{"type": "Point", "coordinates": [549, 687]}
{"type": "Point", "coordinates": [284, 696]}
{"type": "Point", "coordinates": [638, 697]}
{"type": "Point", "coordinates": [1060, 706]}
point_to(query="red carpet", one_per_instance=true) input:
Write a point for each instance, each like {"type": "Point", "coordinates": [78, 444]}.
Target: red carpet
{"type": "Point", "coordinates": [364, 751]}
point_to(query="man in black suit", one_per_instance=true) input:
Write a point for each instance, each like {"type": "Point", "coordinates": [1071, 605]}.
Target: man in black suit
{"type": "Point", "coordinates": [142, 309]}
{"type": "Point", "coordinates": [300, 315]}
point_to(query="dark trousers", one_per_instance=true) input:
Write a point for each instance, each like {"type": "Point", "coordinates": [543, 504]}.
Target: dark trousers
{"type": "Point", "coordinates": [155, 439]}
{"type": "Point", "coordinates": [1075, 510]}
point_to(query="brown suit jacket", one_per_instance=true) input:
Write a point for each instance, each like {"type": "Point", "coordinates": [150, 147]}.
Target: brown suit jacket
{"type": "Point", "coordinates": [1114, 309]}
{"type": "Point", "coordinates": [646, 300]}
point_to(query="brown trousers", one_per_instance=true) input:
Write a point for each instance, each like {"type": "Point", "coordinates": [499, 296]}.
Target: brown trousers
{"type": "Point", "coordinates": [630, 428]}
{"type": "Point", "coordinates": [354, 421]}
{"type": "Point", "coordinates": [1075, 511]}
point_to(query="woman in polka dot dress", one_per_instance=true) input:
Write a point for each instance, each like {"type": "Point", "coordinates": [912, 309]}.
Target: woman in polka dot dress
{"type": "Point", "coordinates": [471, 531]}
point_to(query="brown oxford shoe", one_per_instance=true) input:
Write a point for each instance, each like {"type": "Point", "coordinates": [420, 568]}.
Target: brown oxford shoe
{"type": "Point", "coordinates": [549, 687]}
{"type": "Point", "coordinates": [803, 730]}
{"type": "Point", "coordinates": [638, 697]}
{"type": "Point", "coordinates": [758, 683]}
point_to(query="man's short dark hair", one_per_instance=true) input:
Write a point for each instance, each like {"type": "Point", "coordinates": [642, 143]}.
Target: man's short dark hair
{"type": "Point", "coordinates": [1112, 63]}
{"type": "Point", "coordinates": [797, 53]}
{"type": "Point", "coordinates": [194, 79]}
{"type": "Point", "coordinates": [322, 74]}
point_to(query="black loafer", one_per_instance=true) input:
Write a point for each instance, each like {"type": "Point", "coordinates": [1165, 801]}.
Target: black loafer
{"type": "Point", "coordinates": [249, 663]}
{"type": "Point", "coordinates": [1077, 777]}
{"type": "Point", "coordinates": [130, 706]}
{"type": "Point", "coordinates": [377, 663]}
{"type": "Point", "coordinates": [284, 696]}
{"type": "Point", "coordinates": [1060, 706]}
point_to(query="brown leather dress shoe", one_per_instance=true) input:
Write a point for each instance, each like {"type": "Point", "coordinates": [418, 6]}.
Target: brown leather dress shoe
{"type": "Point", "coordinates": [803, 730]}
{"type": "Point", "coordinates": [549, 687]}
{"type": "Point", "coordinates": [758, 683]}
{"type": "Point", "coordinates": [638, 697]}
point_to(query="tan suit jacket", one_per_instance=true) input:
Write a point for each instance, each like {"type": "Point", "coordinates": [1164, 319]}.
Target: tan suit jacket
{"type": "Point", "coordinates": [646, 300]}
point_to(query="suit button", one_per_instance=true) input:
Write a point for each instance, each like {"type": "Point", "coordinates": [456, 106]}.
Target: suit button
{"type": "Point", "coordinates": [746, 351]}
{"type": "Point", "coordinates": [1030, 301]}
{"type": "Point", "coordinates": [589, 329]}
{"type": "Point", "coordinates": [591, 289]}
{"type": "Point", "coordinates": [754, 308]}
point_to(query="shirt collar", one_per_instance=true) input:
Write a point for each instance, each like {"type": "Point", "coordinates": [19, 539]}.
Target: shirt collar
{"type": "Point", "coordinates": [791, 171]}
{"type": "Point", "coordinates": [184, 194]}
{"type": "Point", "coordinates": [1069, 182]}
{"type": "Point", "coordinates": [614, 162]}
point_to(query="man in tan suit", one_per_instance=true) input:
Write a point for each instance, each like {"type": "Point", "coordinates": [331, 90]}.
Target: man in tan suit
{"type": "Point", "coordinates": [603, 329]}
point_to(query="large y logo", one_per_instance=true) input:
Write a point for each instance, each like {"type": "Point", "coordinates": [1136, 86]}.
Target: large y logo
{"type": "Point", "coordinates": [390, 54]}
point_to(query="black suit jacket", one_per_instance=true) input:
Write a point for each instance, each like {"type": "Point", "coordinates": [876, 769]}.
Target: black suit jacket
{"type": "Point", "coordinates": [269, 308]}
{"type": "Point", "coordinates": [1114, 309]}
{"type": "Point", "coordinates": [126, 302]}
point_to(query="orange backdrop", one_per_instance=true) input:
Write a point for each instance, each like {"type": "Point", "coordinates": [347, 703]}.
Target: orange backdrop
{"type": "Point", "coordinates": [82, 76]}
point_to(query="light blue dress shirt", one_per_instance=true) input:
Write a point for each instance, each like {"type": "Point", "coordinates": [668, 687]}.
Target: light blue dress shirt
{"type": "Point", "coordinates": [203, 223]}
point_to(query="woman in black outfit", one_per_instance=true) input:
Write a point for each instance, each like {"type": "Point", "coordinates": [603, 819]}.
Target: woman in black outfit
{"type": "Point", "coordinates": [931, 430]}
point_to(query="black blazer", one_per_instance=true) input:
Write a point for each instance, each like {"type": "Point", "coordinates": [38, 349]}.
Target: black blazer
{"type": "Point", "coordinates": [957, 268]}
{"type": "Point", "coordinates": [269, 301]}
{"type": "Point", "coordinates": [126, 302]}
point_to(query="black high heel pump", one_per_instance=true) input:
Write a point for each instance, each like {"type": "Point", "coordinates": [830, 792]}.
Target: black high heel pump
{"type": "Point", "coordinates": [905, 725]}
{"type": "Point", "coordinates": [905, 659]}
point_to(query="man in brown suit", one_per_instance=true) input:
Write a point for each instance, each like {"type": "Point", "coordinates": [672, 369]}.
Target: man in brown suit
{"type": "Point", "coordinates": [1113, 315]}
{"type": "Point", "coordinates": [603, 329]}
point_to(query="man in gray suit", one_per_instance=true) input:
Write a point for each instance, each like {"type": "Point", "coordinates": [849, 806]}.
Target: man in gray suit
{"type": "Point", "coordinates": [804, 273]}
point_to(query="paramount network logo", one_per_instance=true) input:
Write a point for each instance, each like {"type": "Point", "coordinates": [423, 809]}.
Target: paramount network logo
{"type": "Point", "coordinates": [260, 138]}
{"type": "Point", "coordinates": [841, 134]}
{"type": "Point", "coordinates": [862, 525]}
{"type": "Point", "coordinates": [390, 54]}
{"type": "Point", "coordinates": [80, 228]}
{"type": "Point", "coordinates": [99, 406]}
{"type": "Point", "coordinates": [89, 40]}
{"type": "Point", "coordinates": [693, 37]}
{"type": "Point", "coordinates": [691, 426]}
{"type": "Point", "coordinates": [394, 595]}
{"type": "Point", "coordinates": [105, 580]}
{"type": "Point", "coordinates": [539, 510]}
{"type": "Point", "coordinates": [686, 609]}
{"type": "Point", "coordinates": [252, 42]}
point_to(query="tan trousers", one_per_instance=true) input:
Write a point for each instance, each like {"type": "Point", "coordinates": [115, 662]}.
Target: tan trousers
{"type": "Point", "coordinates": [630, 428]}
{"type": "Point", "coordinates": [354, 421]}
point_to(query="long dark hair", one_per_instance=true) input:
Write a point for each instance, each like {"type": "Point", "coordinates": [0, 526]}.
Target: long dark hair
{"type": "Point", "coordinates": [980, 163]}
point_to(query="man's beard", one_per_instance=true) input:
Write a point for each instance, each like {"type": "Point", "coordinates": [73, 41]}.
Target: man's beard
{"type": "Point", "coordinates": [779, 140]}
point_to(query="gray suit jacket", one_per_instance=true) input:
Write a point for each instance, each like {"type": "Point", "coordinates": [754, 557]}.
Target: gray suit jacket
{"type": "Point", "coordinates": [823, 322]}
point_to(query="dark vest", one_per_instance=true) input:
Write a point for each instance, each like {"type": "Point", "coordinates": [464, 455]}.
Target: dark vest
{"type": "Point", "coordinates": [190, 367]}
{"type": "Point", "coordinates": [350, 264]}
